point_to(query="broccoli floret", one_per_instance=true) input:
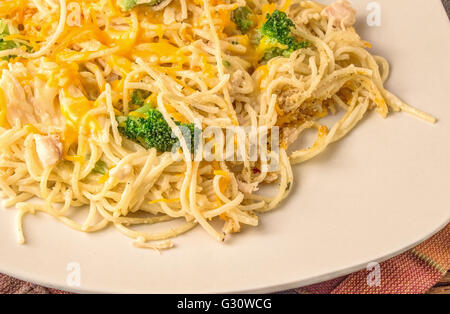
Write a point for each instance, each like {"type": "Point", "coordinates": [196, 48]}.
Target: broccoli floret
{"type": "Point", "coordinates": [242, 17]}
{"type": "Point", "coordinates": [100, 167]}
{"type": "Point", "coordinates": [277, 32]}
{"type": "Point", "coordinates": [148, 127]}
{"type": "Point", "coordinates": [139, 96]}
{"type": "Point", "coordinates": [274, 52]}
{"type": "Point", "coordinates": [278, 28]}
{"type": "Point", "coordinates": [128, 5]}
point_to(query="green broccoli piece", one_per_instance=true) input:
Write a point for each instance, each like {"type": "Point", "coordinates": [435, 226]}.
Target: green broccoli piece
{"type": "Point", "coordinates": [242, 17]}
{"type": "Point", "coordinates": [149, 128]}
{"type": "Point", "coordinates": [226, 63]}
{"type": "Point", "coordinates": [139, 96]}
{"type": "Point", "coordinates": [276, 31]}
{"type": "Point", "coordinates": [4, 29]}
{"type": "Point", "coordinates": [9, 44]}
{"type": "Point", "coordinates": [5, 44]}
{"type": "Point", "coordinates": [273, 52]}
{"type": "Point", "coordinates": [100, 167]}
{"type": "Point", "coordinates": [278, 28]}
{"type": "Point", "coordinates": [128, 5]}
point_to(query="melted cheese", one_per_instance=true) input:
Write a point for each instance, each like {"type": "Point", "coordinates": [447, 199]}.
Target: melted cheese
{"type": "Point", "coordinates": [3, 119]}
{"type": "Point", "coordinates": [165, 200]}
{"type": "Point", "coordinates": [74, 110]}
{"type": "Point", "coordinates": [159, 53]}
{"type": "Point", "coordinates": [11, 6]}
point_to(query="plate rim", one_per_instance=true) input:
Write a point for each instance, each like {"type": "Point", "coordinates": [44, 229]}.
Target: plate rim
{"type": "Point", "coordinates": [293, 284]}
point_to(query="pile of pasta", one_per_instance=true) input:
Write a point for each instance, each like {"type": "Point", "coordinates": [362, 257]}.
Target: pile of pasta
{"type": "Point", "coordinates": [69, 67]}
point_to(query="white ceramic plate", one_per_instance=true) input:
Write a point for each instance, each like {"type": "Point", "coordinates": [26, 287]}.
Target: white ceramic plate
{"type": "Point", "coordinates": [377, 193]}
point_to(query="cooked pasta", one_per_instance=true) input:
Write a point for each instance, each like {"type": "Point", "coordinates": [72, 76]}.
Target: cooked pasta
{"type": "Point", "coordinates": [96, 96]}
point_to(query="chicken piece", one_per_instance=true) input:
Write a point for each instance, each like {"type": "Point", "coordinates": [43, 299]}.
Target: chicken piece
{"type": "Point", "coordinates": [91, 45]}
{"type": "Point", "coordinates": [169, 16]}
{"type": "Point", "coordinates": [241, 82]}
{"type": "Point", "coordinates": [19, 110]}
{"type": "Point", "coordinates": [49, 149]}
{"type": "Point", "coordinates": [343, 13]}
{"type": "Point", "coordinates": [44, 103]}
{"type": "Point", "coordinates": [29, 103]}
{"type": "Point", "coordinates": [247, 188]}
{"type": "Point", "coordinates": [121, 174]}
